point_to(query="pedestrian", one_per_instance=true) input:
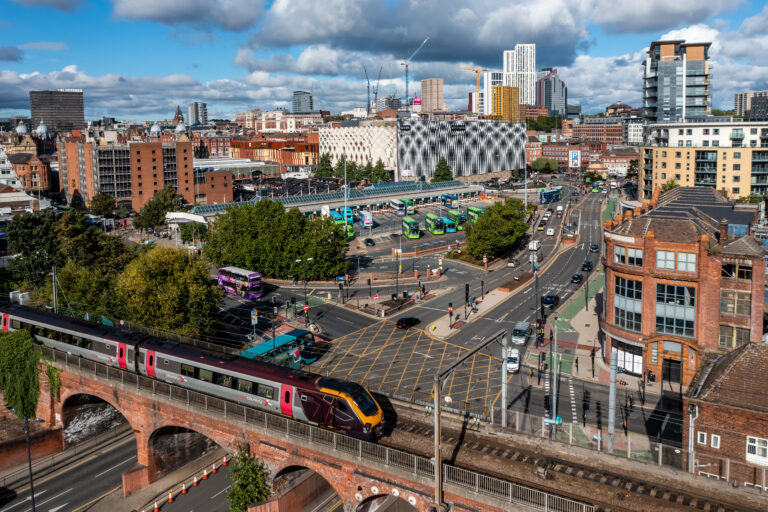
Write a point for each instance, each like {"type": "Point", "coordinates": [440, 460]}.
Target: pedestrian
{"type": "Point", "coordinates": [577, 365]}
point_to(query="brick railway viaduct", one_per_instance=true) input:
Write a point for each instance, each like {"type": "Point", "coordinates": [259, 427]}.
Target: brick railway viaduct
{"type": "Point", "coordinates": [358, 471]}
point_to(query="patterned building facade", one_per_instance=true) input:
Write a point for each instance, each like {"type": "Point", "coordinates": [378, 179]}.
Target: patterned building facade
{"type": "Point", "coordinates": [469, 147]}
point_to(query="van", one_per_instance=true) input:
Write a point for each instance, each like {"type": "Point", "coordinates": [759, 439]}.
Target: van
{"type": "Point", "coordinates": [513, 360]}
{"type": "Point", "coordinates": [520, 333]}
{"type": "Point", "coordinates": [551, 232]}
{"type": "Point", "coordinates": [534, 245]}
{"type": "Point", "coordinates": [559, 211]}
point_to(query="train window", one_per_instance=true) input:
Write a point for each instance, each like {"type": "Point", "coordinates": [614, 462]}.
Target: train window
{"type": "Point", "coordinates": [224, 380]}
{"type": "Point", "coordinates": [205, 375]}
{"type": "Point", "coordinates": [15, 324]}
{"type": "Point", "coordinates": [306, 398]}
{"type": "Point", "coordinates": [76, 340]}
{"type": "Point", "coordinates": [87, 344]}
{"type": "Point", "coordinates": [244, 385]}
{"type": "Point", "coordinates": [342, 405]}
{"type": "Point", "coordinates": [287, 398]}
{"type": "Point", "coordinates": [265, 391]}
{"type": "Point", "coordinates": [151, 361]}
{"type": "Point", "coordinates": [51, 334]}
{"type": "Point", "coordinates": [188, 370]}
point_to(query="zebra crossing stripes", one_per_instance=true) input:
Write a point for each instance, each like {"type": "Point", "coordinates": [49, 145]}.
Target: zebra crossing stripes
{"type": "Point", "coordinates": [573, 399]}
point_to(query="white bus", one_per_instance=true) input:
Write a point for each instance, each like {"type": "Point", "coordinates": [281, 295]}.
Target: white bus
{"type": "Point", "coordinates": [398, 207]}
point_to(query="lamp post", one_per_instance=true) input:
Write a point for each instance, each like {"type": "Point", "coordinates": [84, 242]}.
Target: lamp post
{"type": "Point", "coordinates": [305, 260]}
{"type": "Point", "coordinates": [29, 455]}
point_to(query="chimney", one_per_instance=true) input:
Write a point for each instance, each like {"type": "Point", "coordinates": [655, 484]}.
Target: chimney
{"type": "Point", "coordinates": [723, 230]}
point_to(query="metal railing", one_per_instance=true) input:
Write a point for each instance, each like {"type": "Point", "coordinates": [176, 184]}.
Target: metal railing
{"type": "Point", "coordinates": [421, 466]}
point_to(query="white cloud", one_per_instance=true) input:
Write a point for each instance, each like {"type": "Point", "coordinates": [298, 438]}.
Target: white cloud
{"type": "Point", "coordinates": [232, 15]}
{"type": "Point", "coordinates": [45, 46]}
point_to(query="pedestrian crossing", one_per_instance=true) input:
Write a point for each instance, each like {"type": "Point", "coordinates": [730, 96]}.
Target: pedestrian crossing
{"type": "Point", "coordinates": [573, 399]}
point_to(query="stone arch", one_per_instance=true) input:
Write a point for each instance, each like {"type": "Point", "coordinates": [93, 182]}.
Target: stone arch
{"type": "Point", "coordinates": [393, 503]}
{"type": "Point", "coordinates": [302, 484]}
{"type": "Point", "coordinates": [84, 414]}
{"type": "Point", "coordinates": [171, 446]}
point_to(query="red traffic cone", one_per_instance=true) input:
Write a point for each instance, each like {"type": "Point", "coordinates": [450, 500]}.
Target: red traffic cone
{"type": "Point", "coordinates": [214, 468]}
{"type": "Point", "coordinates": [183, 488]}
{"type": "Point", "coordinates": [156, 508]}
{"type": "Point", "coordinates": [205, 474]}
{"type": "Point", "coordinates": [194, 482]}
{"type": "Point", "coordinates": [170, 496]}
{"type": "Point", "coordinates": [224, 462]}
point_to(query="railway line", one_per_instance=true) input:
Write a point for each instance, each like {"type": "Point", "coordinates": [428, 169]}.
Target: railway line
{"type": "Point", "coordinates": [607, 490]}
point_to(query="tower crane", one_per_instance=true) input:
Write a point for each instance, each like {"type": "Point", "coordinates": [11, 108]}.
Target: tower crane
{"type": "Point", "coordinates": [405, 63]}
{"type": "Point", "coordinates": [368, 85]}
{"type": "Point", "coordinates": [477, 92]}
{"type": "Point", "coordinates": [376, 89]}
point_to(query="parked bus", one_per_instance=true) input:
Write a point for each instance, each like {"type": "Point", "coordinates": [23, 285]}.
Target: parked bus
{"type": "Point", "coordinates": [474, 213]}
{"type": "Point", "coordinates": [350, 232]}
{"type": "Point", "coordinates": [366, 219]}
{"type": "Point", "coordinates": [550, 196]}
{"type": "Point", "coordinates": [398, 207]}
{"type": "Point", "coordinates": [410, 209]}
{"type": "Point", "coordinates": [458, 218]}
{"type": "Point", "coordinates": [450, 200]}
{"type": "Point", "coordinates": [410, 228]}
{"type": "Point", "coordinates": [293, 348]}
{"type": "Point", "coordinates": [238, 281]}
{"type": "Point", "coordinates": [434, 224]}
{"type": "Point", "coordinates": [348, 214]}
{"type": "Point", "coordinates": [336, 217]}
{"type": "Point", "coordinates": [450, 226]}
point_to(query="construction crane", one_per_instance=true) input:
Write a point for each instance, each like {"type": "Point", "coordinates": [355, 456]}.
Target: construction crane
{"type": "Point", "coordinates": [405, 63]}
{"type": "Point", "coordinates": [477, 92]}
{"type": "Point", "coordinates": [376, 89]}
{"type": "Point", "coordinates": [368, 84]}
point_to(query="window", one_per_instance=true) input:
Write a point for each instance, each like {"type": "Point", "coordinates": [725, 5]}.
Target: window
{"type": "Point", "coordinates": [734, 302]}
{"type": "Point", "coordinates": [757, 450]}
{"type": "Point", "coordinates": [265, 391]}
{"type": "Point", "coordinates": [716, 131]}
{"type": "Point", "coordinates": [706, 131]}
{"type": "Point", "coordinates": [205, 375]}
{"type": "Point", "coordinates": [701, 437]}
{"type": "Point", "coordinates": [677, 154]}
{"type": "Point", "coordinates": [753, 131]}
{"type": "Point", "coordinates": [188, 370]}
{"type": "Point", "coordinates": [714, 441]}
{"type": "Point", "coordinates": [634, 257]}
{"type": "Point", "coordinates": [732, 337]}
{"type": "Point", "coordinates": [244, 385]}
{"type": "Point", "coordinates": [677, 165]}
{"type": "Point", "coordinates": [628, 304]}
{"type": "Point", "coordinates": [675, 309]}
{"type": "Point", "coordinates": [689, 131]}
{"type": "Point", "coordinates": [716, 143]}
{"type": "Point", "coordinates": [224, 380]}
{"type": "Point", "coordinates": [706, 143]}
{"type": "Point", "coordinates": [620, 254]}
{"type": "Point", "coordinates": [736, 167]}
{"type": "Point", "coordinates": [664, 153]}
{"type": "Point", "coordinates": [680, 143]}
{"type": "Point", "coordinates": [665, 260]}
{"type": "Point", "coordinates": [686, 262]}
{"type": "Point", "coordinates": [736, 179]}
{"type": "Point", "coordinates": [688, 143]}
{"type": "Point", "coordinates": [680, 131]}
{"type": "Point", "coordinates": [737, 154]}
{"type": "Point", "coordinates": [654, 352]}
{"type": "Point", "coordinates": [736, 271]}
{"type": "Point", "coordinates": [677, 177]}
{"type": "Point", "coordinates": [735, 190]}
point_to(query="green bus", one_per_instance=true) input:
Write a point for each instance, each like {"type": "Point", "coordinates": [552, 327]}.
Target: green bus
{"type": "Point", "coordinates": [473, 213]}
{"type": "Point", "coordinates": [410, 228]}
{"type": "Point", "coordinates": [434, 224]}
{"type": "Point", "coordinates": [350, 232]}
{"type": "Point", "coordinates": [410, 209]}
{"type": "Point", "coordinates": [459, 218]}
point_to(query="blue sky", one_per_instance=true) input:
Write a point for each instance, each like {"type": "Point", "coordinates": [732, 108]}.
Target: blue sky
{"type": "Point", "coordinates": [137, 59]}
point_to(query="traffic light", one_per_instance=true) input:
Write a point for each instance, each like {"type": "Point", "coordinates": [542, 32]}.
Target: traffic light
{"type": "Point", "coordinates": [466, 293]}
{"type": "Point", "coordinates": [450, 307]}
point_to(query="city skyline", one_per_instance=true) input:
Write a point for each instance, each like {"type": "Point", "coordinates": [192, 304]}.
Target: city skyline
{"type": "Point", "coordinates": [136, 59]}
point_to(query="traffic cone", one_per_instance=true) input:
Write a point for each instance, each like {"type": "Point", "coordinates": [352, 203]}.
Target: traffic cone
{"type": "Point", "coordinates": [214, 468]}
{"type": "Point", "coordinates": [194, 482]}
{"type": "Point", "coordinates": [205, 474]}
{"type": "Point", "coordinates": [170, 496]}
{"type": "Point", "coordinates": [156, 508]}
{"type": "Point", "coordinates": [183, 488]}
{"type": "Point", "coordinates": [224, 462]}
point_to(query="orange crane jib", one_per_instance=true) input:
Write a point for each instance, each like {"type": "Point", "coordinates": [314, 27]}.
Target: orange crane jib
{"type": "Point", "coordinates": [477, 92]}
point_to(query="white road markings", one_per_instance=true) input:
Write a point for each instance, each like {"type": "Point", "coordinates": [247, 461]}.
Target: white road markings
{"type": "Point", "coordinates": [116, 466]}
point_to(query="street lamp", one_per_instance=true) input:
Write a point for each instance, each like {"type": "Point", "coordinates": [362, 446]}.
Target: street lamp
{"type": "Point", "coordinates": [305, 260]}
{"type": "Point", "coordinates": [29, 453]}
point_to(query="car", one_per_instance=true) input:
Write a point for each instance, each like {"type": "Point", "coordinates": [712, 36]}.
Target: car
{"type": "Point", "coordinates": [513, 360]}
{"type": "Point", "coordinates": [521, 332]}
{"type": "Point", "coordinates": [586, 266]}
{"type": "Point", "coordinates": [549, 210]}
{"type": "Point", "coordinates": [512, 262]}
{"type": "Point", "coordinates": [369, 242]}
{"type": "Point", "coordinates": [551, 232]}
{"type": "Point", "coordinates": [594, 248]}
{"type": "Point", "coordinates": [541, 226]}
{"type": "Point", "coordinates": [406, 322]}
{"type": "Point", "coordinates": [577, 278]}
{"type": "Point", "coordinates": [551, 300]}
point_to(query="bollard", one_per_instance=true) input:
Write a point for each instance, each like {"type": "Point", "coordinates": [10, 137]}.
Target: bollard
{"type": "Point", "coordinates": [183, 488]}
{"type": "Point", "coordinates": [194, 482]}
{"type": "Point", "coordinates": [170, 496]}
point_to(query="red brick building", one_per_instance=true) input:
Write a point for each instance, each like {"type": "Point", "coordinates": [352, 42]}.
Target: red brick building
{"type": "Point", "coordinates": [33, 172]}
{"type": "Point", "coordinates": [599, 131]}
{"type": "Point", "coordinates": [725, 427]}
{"type": "Point", "coordinates": [285, 149]}
{"type": "Point", "coordinates": [532, 148]}
{"type": "Point", "coordinates": [535, 112]}
{"type": "Point", "coordinates": [680, 282]}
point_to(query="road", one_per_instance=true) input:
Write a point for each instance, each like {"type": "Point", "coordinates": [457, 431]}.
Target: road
{"type": "Point", "coordinates": [64, 490]}
{"type": "Point", "coordinates": [209, 496]}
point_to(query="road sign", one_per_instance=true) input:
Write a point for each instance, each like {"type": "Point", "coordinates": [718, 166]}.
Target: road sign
{"type": "Point", "coordinates": [485, 258]}
{"type": "Point", "coordinates": [341, 278]}
{"type": "Point", "coordinates": [376, 297]}
{"type": "Point", "coordinates": [557, 421]}
{"type": "Point", "coordinates": [306, 307]}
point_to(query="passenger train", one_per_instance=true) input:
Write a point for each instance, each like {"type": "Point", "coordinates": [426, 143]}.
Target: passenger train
{"type": "Point", "coordinates": [323, 401]}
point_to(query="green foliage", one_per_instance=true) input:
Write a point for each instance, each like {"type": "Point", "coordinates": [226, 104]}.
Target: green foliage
{"type": "Point", "coordinates": [265, 238]}
{"type": "Point", "coordinates": [669, 185]}
{"type": "Point", "coordinates": [718, 112]}
{"type": "Point", "coordinates": [32, 237]}
{"type": "Point", "coordinates": [250, 481]}
{"type": "Point", "coordinates": [324, 168]}
{"type": "Point", "coordinates": [442, 171]}
{"type": "Point", "coordinates": [169, 289]}
{"type": "Point", "coordinates": [192, 231]}
{"type": "Point", "coordinates": [544, 124]}
{"type": "Point", "coordinates": [54, 380]}
{"type": "Point", "coordinates": [103, 205]}
{"type": "Point", "coordinates": [542, 164]}
{"type": "Point", "coordinates": [19, 379]}
{"type": "Point", "coordinates": [379, 174]}
{"type": "Point", "coordinates": [497, 230]}
{"type": "Point", "coordinates": [632, 171]}
{"type": "Point", "coordinates": [153, 213]}
{"type": "Point", "coordinates": [592, 176]}
{"type": "Point", "coordinates": [753, 198]}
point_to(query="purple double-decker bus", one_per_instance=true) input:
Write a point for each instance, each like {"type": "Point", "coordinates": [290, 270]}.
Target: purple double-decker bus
{"type": "Point", "coordinates": [239, 281]}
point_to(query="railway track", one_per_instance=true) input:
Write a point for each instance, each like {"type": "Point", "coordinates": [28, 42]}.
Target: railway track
{"type": "Point", "coordinates": [544, 466]}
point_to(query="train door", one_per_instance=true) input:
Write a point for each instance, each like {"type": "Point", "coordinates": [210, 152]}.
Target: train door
{"type": "Point", "coordinates": [5, 322]}
{"type": "Point", "coordinates": [343, 417]}
{"type": "Point", "coordinates": [285, 400]}
{"type": "Point", "coordinates": [122, 355]}
{"type": "Point", "coordinates": [149, 363]}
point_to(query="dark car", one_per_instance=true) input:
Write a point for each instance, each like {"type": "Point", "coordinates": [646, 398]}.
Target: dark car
{"type": "Point", "coordinates": [551, 301]}
{"type": "Point", "coordinates": [586, 266]}
{"type": "Point", "coordinates": [406, 322]}
{"type": "Point", "coordinates": [594, 248]}
{"type": "Point", "coordinates": [512, 262]}
{"type": "Point", "coordinates": [369, 242]}
{"type": "Point", "coordinates": [577, 278]}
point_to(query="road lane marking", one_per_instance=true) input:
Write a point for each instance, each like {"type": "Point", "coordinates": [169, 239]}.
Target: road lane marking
{"type": "Point", "coordinates": [48, 500]}
{"type": "Point", "coordinates": [28, 498]}
{"type": "Point", "coordinates": [425, 355]}
{"type": "Point", "coordinates": [115, 466]}
{"type": "Point", "coordinates": [221, 491]}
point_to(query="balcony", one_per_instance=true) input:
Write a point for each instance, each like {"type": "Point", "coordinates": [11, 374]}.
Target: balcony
{"type": "Point", "coordinates": [737, 134]}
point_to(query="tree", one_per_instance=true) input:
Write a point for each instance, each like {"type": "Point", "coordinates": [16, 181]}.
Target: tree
{"type": "Point", "coordinates": [32, 239]}
{"type": "Point", "coordinates": [103, 205]}
{"type": "Point", "coordinates": [669, 185]}
{"type": "Point", "coordinates": [192, 231]}
{"type": "Point", "coordinates": [497, 230]}
{"type": "Point", "coordinates": [632, 171]}
{"type": "Point", "coordinates": [19, 378]}
{"type": "Point", "coordinates": [250, 481]}
{"type": "Point", "coordinates": [442, 171]}
{"type": "Point", "coordinates": [752, 198]}
{"type": "Point", "coordinates": [338, 171]}
{"type": "Point", "coordinates": [380, 174]}
{"type": "Point", "coordinates": [153, 213]}
{"type": "Point", "coordinates": [169, 289]}
{"type": "Point", "coordinates": [324, 168]}
{"type": "Point", "coordinates": [542, 164]}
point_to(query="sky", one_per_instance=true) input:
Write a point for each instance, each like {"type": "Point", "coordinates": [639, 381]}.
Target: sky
{"type": "Point", "coordinates": [138, 59]}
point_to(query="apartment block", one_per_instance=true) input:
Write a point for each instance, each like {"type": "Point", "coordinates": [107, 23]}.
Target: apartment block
{"type": "Point", "coordinates": [551, 91]}
{"type": "Point", "coordinates": [61, 110]}
{"type": "Point", "coordinates": [742, 101]}
{"type": "Point", "coordinates": [432, 95]}
{"type": "Point", "coordinates": [520, 71]}
{"type": "Point", "coordinates": [731, 157]}
{"type": "Point", "coordinates": [506, 104]}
